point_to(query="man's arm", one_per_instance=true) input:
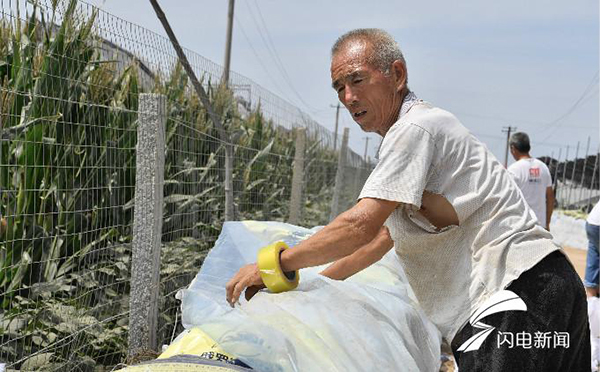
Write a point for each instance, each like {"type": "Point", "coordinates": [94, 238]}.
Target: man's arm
{"type": "Point", "coordinates": [342, 237]}
{"type": "Point", "coordinates": [362, 258]}
{"type": "Point", "coordinates": [549, 205]}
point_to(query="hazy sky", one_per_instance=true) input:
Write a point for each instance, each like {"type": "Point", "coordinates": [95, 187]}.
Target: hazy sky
{"type": "Point", "coordinates": [530, 64]}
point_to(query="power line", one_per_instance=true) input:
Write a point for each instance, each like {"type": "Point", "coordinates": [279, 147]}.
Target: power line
{"type": "Point", "coordinates": [488, 136]}
{"type": "Point", "coordinates": [584, 97]}
{"type": "Point", "coordinates": [533, 142]}
{"type": "Point", "coordinates": [270, 46]}
{"type": "Point", "coordinates": [260, 61]}
{"type": "Point", "coordinates": [587, 90]}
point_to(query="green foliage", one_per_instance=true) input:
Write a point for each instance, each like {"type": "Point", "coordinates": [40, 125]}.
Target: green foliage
{"type": "Point", "coordinates": [578, 214]}
{"type": "Point", "coordinates": [67, 176]}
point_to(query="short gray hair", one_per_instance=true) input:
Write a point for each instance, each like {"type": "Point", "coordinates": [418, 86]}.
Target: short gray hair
{"type": "Point", "coordinates": [520, 141]}
{"type": "Point", "coordinates": [385, 48]}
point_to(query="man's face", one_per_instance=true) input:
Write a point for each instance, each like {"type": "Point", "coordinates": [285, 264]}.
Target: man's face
{"type": "Point", "coordinates": [372, 97]}
{"type": "Point", "coordinates": [514, 152]}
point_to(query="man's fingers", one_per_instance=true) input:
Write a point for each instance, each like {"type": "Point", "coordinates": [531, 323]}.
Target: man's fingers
{"type": "Point", "coordinates": [237, 291]}
{"type": "Point", "coordinates": [230, 287]}
{"type": "Point", "coordinates": [247, 276]}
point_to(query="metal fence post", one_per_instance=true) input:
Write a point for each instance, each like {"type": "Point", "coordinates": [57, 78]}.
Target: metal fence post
{"type": "Point", "coordinates": [573, 175]}
{"type": "Point", "coordinates": [147, 223]}
{"type": "Point", "coordinates": [339, 176]}
{"type": "Point", "coordinates": [297, 178]}
{"type": "Point", "coordinates": [582, 187]}
{"type": "Point", "coordinates": [564, 185]}
{"type": "Point", "coordinates": [594, 175]}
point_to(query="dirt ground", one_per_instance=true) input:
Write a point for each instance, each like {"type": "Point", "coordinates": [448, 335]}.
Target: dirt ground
{"type": "Point", "coordinates": [577, 258]}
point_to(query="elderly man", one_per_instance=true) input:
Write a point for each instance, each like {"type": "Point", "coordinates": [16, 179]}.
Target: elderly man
{"type": "Point", "coordinates": [458, 223]}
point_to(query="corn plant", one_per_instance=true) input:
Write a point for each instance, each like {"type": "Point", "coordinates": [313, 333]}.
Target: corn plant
{"type": "Point", "coordinates": [67, 118]}
{"type": "Point", "coordinates": [67, 175]}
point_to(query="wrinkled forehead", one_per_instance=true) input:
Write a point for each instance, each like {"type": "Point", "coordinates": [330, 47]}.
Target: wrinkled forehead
{"type": "Point", "coordinates": [353, 51]}
{"type": "Point", "coordinates": [351, 57]}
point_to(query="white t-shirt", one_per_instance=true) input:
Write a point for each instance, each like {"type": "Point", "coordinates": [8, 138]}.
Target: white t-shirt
{"type": "Point", "coordinates": [594, 216]}
{"type": "Point", "coordinates": [453, 270]}
{"type": "Point", "coordinates": [533, 178]}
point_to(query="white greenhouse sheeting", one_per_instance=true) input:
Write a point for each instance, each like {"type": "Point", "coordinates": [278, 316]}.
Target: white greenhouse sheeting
{"type": "Point", "coordinates": [568, 231]}
{"type": "Point", "coordinates": [371, 321]}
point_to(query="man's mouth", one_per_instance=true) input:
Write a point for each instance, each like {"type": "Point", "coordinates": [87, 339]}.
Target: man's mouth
{"type": "Point", "coordinates": [359, 114]}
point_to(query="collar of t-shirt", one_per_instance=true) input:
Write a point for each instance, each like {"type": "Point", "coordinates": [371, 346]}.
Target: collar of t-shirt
{"type": "Point", "coordinates": [409, 100]}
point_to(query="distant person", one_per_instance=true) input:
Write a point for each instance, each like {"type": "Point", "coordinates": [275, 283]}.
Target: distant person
{"type": "Point", "coordinates": [533, 178]}
{"type": "Point", "coordinates": [591, 281]}
{"type": "Point", "coordinates": [592, 228]}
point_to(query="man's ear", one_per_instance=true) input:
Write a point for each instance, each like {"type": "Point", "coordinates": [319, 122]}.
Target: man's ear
{"type": "Point", "coordinates": [400, 74]}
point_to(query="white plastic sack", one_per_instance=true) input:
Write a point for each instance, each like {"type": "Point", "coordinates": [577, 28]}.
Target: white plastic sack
{"type": "Point", "coordinates": [369, 322]}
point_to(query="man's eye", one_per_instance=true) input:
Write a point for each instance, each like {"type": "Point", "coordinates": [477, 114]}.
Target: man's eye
{"type": "Point", "coordinates": [356, 81]}
{"type": "Point", "coordinates": [340, 89]}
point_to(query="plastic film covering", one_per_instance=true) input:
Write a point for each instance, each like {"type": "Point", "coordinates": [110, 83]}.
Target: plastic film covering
{"type": "Point", "coordinates": [371, 321]}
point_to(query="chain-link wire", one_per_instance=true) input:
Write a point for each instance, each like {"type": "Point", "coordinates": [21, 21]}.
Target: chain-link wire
{"type": "Point", "coordinates": [70, 80]}
{"type": "Point", "coordinates": [67, 161]}
{"type": "Point", "coordinates": [575, 176]}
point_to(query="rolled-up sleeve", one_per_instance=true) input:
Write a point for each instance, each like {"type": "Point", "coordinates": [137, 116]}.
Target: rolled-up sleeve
{"type": "Point", "coordinates": [405, 159]}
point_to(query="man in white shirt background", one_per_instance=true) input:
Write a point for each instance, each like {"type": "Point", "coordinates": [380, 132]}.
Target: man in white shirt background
{"type": "Point", "coordinates": [533, 178]}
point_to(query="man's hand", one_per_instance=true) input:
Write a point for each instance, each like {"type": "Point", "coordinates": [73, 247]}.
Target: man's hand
{"type": "Point", "coordinates": [247, 277]}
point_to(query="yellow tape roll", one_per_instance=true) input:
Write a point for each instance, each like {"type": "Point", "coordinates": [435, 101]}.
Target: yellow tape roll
{"type": "Point", "coordinates": [269, 265]}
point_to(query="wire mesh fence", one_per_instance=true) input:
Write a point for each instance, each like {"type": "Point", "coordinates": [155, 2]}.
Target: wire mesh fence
{"type": "Point", "coordinates": [576, 176]}
{"type": "Point", "coordinates": [71, 78]}
{"type": "Point", "coordinates": [66, 177]}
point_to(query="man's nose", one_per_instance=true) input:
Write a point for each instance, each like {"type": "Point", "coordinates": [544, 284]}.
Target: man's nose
{"type": "Point", "coordinates": [349, 96]}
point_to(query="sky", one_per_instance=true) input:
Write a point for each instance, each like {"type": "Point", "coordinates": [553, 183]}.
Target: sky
{"type": "Point", "coordinates": [531, 65]}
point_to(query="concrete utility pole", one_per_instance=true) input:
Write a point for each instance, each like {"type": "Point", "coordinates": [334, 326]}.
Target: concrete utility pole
{"type": "Point", "coordinates": [507, 130]}
{"type": "Point", "coordinates": [339, 176]}
{"type": "Point", "coordinates": [366, 146]}
{"type": "Point", "coordinates": [337, 117]}
{"type": "Point", "coordinates": [227, 63]}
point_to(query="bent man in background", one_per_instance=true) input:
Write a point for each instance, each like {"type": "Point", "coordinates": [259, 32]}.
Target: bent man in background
{"type": "Point", "coordinates": [533, 178]}
{"type": "Point", "coordinates": [458, 222]}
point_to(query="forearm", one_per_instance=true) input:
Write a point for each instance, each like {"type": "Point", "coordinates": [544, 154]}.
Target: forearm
{"type": "Point", "coordinates": [342, 237]}
{"type": "Point", "coordinates": [549, 206]}
{"type": "Point", "coordinates": [364, 257]}
{"type": "Point", "coordinates": [549, 210]}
